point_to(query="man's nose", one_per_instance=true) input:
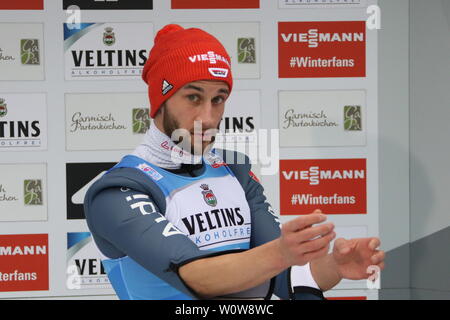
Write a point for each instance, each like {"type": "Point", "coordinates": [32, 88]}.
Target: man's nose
{"type": "Point", "coordinates": [207, 115]}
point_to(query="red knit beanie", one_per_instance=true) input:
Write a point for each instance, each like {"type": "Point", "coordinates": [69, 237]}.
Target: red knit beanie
{"type": "Point", "coordinates": [180, 56]}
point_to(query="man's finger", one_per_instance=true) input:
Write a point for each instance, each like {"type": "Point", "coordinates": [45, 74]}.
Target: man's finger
{"type": "Point", "coordinates": [316, 254]}
{"type": "Point", "coordinates": [341, 245]}
{"type": "Point", "coordinates": [374, 243]}
{"type": "Point", "coordinates": [313, 232]}
{"type": "Point", "coordinates": [378, 257]}
{"type": "Point", "coordinates": [303, 221]}
{"type": "Point", "coordinates": [317, 244]}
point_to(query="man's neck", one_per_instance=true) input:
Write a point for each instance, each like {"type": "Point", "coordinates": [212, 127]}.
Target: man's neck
{"type": "Point", "coordinates": [159, 149]}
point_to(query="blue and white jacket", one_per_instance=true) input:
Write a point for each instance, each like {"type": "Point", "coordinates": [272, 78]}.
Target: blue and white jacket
{"type": "Point", "coordinates": [147, 222]}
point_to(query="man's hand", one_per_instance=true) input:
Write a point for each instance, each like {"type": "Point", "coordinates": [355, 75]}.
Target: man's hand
{"type": "Point", "coordinates": [301, 242]}
{"type": "Point", "coordinates": [354, 256]}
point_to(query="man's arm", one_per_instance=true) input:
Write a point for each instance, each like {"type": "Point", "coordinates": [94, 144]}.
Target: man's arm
{"type": "Point", "coordinates": [292, 283]}
{"type": "Point", "coordinates": [324, 272]}
{"type": "Point", "coordinates": [240, 271]}
{"type": "Point", "coordinates": [126, 222]}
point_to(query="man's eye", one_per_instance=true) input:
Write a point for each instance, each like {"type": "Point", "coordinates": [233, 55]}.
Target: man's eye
{"type": "Point", "coordinates": [193, 97]}
{"type": "Point", "coordinates": [218, 100]}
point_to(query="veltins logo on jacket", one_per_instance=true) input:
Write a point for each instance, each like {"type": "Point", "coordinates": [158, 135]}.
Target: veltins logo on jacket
{"type": "Point", "coordinates": [208, 196]}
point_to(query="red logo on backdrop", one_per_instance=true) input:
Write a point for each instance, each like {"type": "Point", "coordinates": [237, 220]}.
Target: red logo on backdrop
{"type": "Point", "coordinates": [22, 5]}
{"type": "Point", "coordinates": [322, 49]}
{"type": "Point", "coordinates": [215, 4]}
{"type": "Point", "coordinates": [335, 186]}
{"type": "Point", "coordinates": [24, 262]}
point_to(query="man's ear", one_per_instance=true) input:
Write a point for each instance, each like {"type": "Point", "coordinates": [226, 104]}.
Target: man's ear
{"type": "Point", "coordinates": [159, 114]}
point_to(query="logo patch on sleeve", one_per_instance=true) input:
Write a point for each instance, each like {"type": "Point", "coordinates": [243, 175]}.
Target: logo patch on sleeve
{"type": "Point", "coordinates": [155, 175]}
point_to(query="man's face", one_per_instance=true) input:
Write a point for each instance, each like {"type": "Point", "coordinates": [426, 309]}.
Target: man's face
{"type": "Point", "coordinates": [198, 102]}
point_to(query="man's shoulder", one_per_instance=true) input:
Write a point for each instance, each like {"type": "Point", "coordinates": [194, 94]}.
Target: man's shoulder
{"type": "Point", "coordinates": [239, 163]}
{"type": "Point", "coordinates": [130, 178]}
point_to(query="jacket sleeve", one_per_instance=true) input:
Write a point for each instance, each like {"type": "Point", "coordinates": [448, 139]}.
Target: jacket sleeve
{"type": "Point", "coordinates": [128, 222]}
{"type": "Point", "coordinates": [267, 227]}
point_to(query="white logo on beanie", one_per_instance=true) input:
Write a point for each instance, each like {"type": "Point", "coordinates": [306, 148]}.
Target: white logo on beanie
{"type": "Point", "coordinates": [219, 72]}
{"type": "Point", "coordinates": [210, 56]}
{"type": "Point", "coordinates": [166, 87]}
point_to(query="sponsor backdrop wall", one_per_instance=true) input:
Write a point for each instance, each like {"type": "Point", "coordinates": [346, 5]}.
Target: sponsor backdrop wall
{"type": "Point", "coordinates": [72, 104]}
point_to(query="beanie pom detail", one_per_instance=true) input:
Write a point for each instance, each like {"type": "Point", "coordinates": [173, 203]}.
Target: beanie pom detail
{"type": "Point", "coordinates": [166, 30]}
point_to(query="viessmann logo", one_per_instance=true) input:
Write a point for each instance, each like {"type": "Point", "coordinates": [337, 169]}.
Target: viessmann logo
{"type": "Point", "coordinates": [23, 250]}
{"type": "Point", "coordinates": [24, 262]}
{"type": "Point", "coordinates": [210, 56]}
{"type": "Point", "coordinates": [314, 37]}
{"type": "Point", "coordinates": [314, 175]}
{"type": "Point", "coordinates": [322, 49]}
{"type": "Point", "coordinates": [335, 186]}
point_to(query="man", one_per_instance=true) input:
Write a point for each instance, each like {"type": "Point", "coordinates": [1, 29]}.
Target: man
{"type": "Point", "coordinates": [181, 221]}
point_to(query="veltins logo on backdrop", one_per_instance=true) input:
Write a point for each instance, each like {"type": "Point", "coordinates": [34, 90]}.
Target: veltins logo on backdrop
{"type": "Point", "coordinates": [22, 5]}
{"type": "Point", "coordinates": [24, 264]}
{"type": "Point", "coordinates": [335, 186]}
{"type": "Point", "coordinates": [20, 129]}
{"type": "Point", "coordinates": [79, 177]}
{"type": "Point", "coordinates": [215, 4]}
{"type": "Point", "coordinates": [322, 49]}
{"type": "Point", "coordinates": [3, 108]}
{"type": "Point", "coordinates": [84, 267]}
{"type": "Point", "coordinates": [110, 5]}
{"type": "Point", "coordinates": [239, 125]}
{"type": "Point", "coordinates": [109, 37]}
{"type": "Point", "coordinates": [106, 51]}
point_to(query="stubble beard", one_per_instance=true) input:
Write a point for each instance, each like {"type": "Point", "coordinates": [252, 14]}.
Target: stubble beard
{"type": "Point", "coordinates": [185, 141]}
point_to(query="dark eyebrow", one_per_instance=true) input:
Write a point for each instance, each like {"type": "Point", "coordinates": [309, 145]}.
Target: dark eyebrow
{"type": "Point", "coordinates": [190, 86]}
{"type": "Point", "coordinates": [224, 91]}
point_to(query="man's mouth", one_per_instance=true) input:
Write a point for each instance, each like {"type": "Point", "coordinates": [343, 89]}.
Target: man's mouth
{"type": "Point", "coordinates": [204, 136]}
